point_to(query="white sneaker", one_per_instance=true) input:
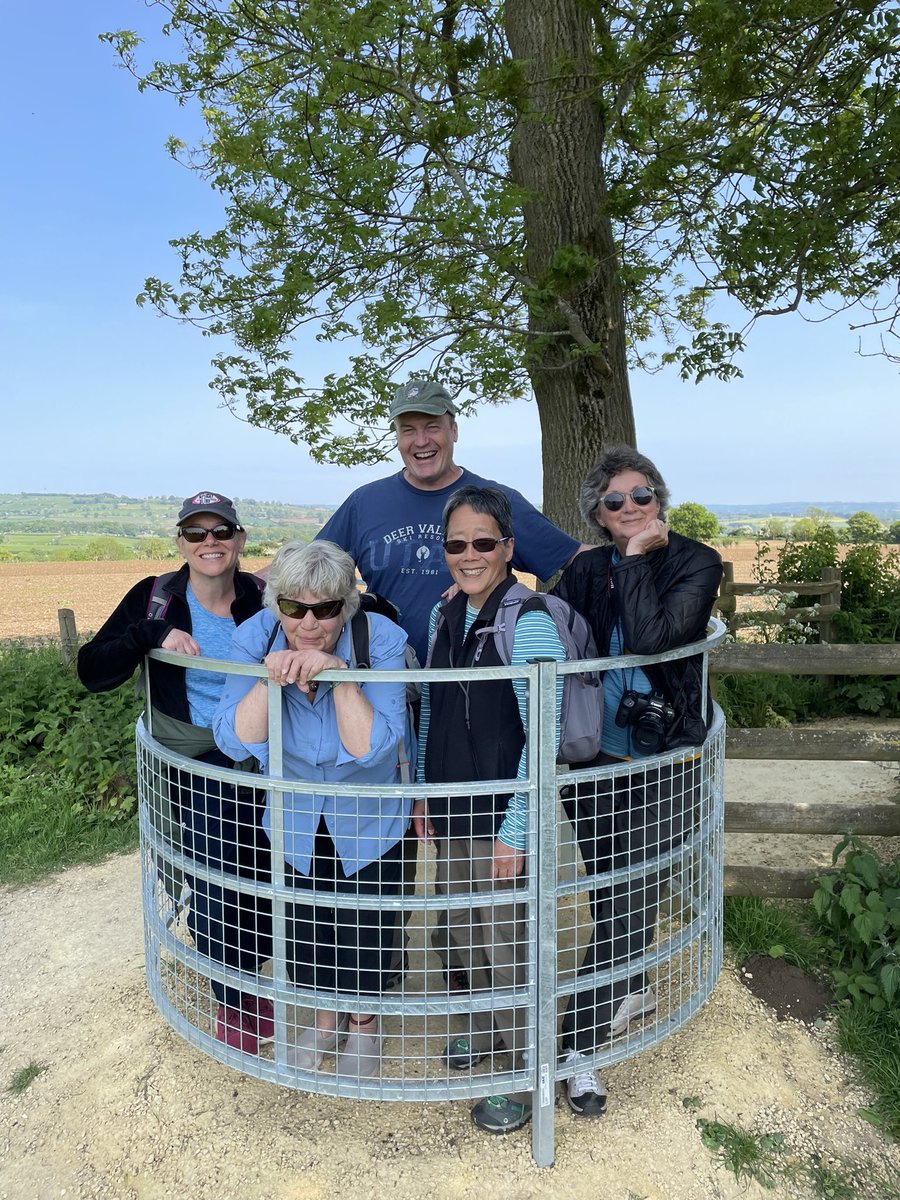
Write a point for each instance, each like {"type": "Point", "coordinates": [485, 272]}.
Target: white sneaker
{"type": "Point", "coordinates": [585, 1090]}
{"type": "Point", "coordinates": [313, 1044]}
{"type": "Point", "coordinates": [638, 1004]}
{"type": "Point", "coordinates": [360, 1057]}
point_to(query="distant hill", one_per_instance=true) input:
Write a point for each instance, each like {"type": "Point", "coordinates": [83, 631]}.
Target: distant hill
{"type": "Point", "coordinates": [127, 516]}
{"type": "Point", "coordinates": [42, 525]}
{"type": "Point", "coordinates": [885, 510]}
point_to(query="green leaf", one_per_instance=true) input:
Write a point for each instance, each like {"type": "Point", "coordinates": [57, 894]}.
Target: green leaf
{"type": "Point", "coordinates": [867, 925]}
{"type": "Point", "coordinates": [890, 981]}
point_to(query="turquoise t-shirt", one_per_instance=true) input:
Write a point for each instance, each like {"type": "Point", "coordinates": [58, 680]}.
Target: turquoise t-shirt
{"type": "Point", "coordinates": [616, 741]}
{"type": "Point", "coordinates": [213, 635]}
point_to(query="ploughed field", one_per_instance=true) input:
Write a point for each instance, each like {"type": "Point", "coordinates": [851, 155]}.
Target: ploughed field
{"type": "Point", "coordinates": [32, 593]}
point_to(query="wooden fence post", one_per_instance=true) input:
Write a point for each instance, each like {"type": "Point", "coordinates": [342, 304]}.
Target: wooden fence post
{"type": "Point", "coordinates": [830, 576]}
{"type": "Point", "coordinates": [68, 634]}
{"type": "Point", "coordinates": [727, 601]}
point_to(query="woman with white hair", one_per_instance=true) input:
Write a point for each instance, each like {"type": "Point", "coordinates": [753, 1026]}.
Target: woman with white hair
{"type": "Point", "coordinates": [348, 733]}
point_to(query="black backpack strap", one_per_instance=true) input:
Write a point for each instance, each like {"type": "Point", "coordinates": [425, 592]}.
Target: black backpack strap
{"type": "Point", "coordinates": [373, 603]}
{"type": "Point", "coordinates": [359, 640]}
{"type": "Point", "coordinates": [272, 636]}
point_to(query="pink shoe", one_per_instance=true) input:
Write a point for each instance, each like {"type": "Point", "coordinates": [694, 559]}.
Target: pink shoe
{"type": "Point", "coordinates": [237, 1029]}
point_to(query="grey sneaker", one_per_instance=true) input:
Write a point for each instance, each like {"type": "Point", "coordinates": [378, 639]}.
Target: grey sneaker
{"type": "Point", "coordinates": [311, 1047]}
{"type": "Point", "coordinates": [585, 1090]}
{"type": "Point", "coordinates": [313, 1044]}
{"type": "Point", "coordinates": [360, 1057]}
{"type": "Point", "coordinates": [638, 1004]}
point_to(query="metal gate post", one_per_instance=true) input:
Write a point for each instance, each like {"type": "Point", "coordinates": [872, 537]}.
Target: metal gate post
{"type": "Point", "coordinates": [276, 836]}
{"type": "Point", "coordinates": [543, 1143]}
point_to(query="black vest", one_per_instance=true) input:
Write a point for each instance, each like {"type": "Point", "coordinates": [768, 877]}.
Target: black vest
{"type": "Point", "coordinates": [474, 731]}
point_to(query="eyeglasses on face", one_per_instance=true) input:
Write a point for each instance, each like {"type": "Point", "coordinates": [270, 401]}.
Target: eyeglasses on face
{"type": "Point", "coordinates": [482, 545]}
{"type": "Point", "coordinates": [321, 610]}
{"type": "Point", "coordinates": [197, 533]}
{"type": "Point", "coordinates": [641, 496]}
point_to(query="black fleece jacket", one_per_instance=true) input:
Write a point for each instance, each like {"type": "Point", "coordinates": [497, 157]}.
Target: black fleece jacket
{"type": "Point", "coordinates": [475, 731]}
{"type": "Point", "coordinates": [115, 652]}
{"type": "Point", "coordinates": [663, 600]}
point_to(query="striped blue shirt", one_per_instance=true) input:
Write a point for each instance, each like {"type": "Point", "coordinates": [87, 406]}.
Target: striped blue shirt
{"type": "Point", "coordinates": [535, 637]}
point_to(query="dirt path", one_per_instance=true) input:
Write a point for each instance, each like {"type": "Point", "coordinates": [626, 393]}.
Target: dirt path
{"type": "Point", "coordinates": [127, 1110]}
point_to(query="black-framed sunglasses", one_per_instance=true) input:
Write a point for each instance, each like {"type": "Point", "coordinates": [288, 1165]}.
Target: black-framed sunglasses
{"type": "Point", "coordinates": [197, 533]}
{"type": "Point", "coordinates": [642, 496]}
{"type": "Point", "coordinates": [482, 545]}
{"type": "Point", "coordinates": [321, 610]}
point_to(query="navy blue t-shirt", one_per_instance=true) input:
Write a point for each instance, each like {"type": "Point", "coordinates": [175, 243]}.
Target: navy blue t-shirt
{"type": "Point", "coordinates": [394, 533]}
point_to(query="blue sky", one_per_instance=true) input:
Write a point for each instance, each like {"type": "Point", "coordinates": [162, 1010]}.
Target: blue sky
{"type": "Point", "coordinates": [99, 395]}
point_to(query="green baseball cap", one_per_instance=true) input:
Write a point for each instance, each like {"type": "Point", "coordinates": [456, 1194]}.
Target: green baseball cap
{"type": "Point", "coordinates": [424, 396]}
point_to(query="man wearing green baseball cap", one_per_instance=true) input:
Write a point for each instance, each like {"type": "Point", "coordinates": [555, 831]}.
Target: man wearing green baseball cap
{"type": "Point", "coordinates": [393, 527]}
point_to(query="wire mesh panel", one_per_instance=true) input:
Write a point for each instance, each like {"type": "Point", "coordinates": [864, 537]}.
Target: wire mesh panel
{"type": "Point", "coordinates": [404, 973]}
{"type": "Point", "coordinates": [385, 965]}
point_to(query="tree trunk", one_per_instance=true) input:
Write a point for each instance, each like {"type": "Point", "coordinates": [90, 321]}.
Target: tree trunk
{"type": "Point", "coordinates": [577, 360]}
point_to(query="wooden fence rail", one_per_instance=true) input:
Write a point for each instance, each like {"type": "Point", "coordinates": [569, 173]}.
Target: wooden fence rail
{"type": "Point", "coordinates": [835, 659]}
{"type": "Point", "coordinates": [827, 588]}
{"type": "Point", "coordinates": [791, 816]}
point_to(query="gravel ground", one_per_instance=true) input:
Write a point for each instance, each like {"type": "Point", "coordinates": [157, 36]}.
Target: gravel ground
{"type": "Point", "coordinates": [125, 1109]}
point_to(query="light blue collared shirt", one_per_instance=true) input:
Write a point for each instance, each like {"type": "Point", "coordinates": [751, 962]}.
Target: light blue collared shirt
{"type": "Point", "coordinates": [362, 828]}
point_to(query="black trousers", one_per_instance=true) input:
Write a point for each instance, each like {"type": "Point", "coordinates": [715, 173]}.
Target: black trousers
{"type": "Point", "coordinates": [343, 949]}
{"type": "Point", "coordinates": [622, 823]}
{"type": "Point", "coordinates": [222, 829]}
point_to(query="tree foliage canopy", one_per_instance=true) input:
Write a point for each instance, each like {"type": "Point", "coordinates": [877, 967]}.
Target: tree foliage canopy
{"type": "Point", "coordinates": [525, 195]}
{"type": "Point", "coordinates": [863, 527]}
{"type": "Point", "coordinates": [694, 521]}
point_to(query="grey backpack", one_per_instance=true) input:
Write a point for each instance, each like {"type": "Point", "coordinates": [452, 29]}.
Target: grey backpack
{"type": "Point", "coordinates": [581, 714]}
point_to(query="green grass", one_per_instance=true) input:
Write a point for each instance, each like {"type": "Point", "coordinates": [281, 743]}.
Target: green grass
{"type": "Point", "coordinates": [765, 1158]}
{"type": "Point", "coordinates": [49, 547]}
{"type": "Point", "coordinates": [748, 1155]}
{"type": "Point", "coordinates": [23, 1078]}
{"type": "Point", "coordinates": [44, 828]}
{"type": "Point", "coordinates": [756, 926]}
{"type": "Point", "coordinates": [873, 1038]}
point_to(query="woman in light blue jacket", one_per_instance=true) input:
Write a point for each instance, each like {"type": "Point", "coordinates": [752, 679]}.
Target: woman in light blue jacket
{"type": "Point", "coordinates": [346, 733]}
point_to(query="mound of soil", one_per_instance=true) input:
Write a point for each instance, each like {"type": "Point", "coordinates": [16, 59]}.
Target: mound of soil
{"type": "Point", "coordinates": [790, 992]}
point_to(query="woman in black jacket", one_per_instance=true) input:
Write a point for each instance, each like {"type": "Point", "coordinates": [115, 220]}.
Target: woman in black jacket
{"type": "Point", "coordinates": [644, 592]}
{"type": "Point", "coordinates": [195, 611]}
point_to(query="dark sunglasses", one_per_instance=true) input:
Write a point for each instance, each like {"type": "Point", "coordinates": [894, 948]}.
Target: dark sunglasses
{"type": "Point", "coordinates": [196, 533]}
{"type": "Point", "coordinates": [641, 496]}
{"type": "Point", "coordinates": [321, 610]}
{"type": "Point", "coordinates": [482, 545]}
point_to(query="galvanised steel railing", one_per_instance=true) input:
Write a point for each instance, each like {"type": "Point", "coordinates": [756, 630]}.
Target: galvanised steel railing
{"type": "Point", "coordinates": [658, 898]}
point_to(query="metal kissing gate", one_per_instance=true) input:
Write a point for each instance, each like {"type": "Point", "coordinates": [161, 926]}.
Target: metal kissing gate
{"type": "Point", "coordinates": [621, 895]}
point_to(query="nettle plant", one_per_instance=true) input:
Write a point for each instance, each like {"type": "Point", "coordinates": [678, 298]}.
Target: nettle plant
{"type": "Point", "coordinates": [53, 728]}
{"type": "Point", "coordinates": [869, 613]}
{"type": "Point", "coordinates": [858, 909]}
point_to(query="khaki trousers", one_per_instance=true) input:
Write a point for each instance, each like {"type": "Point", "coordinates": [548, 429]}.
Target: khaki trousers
{"type": "Point", "coordinates": [487, 940]}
